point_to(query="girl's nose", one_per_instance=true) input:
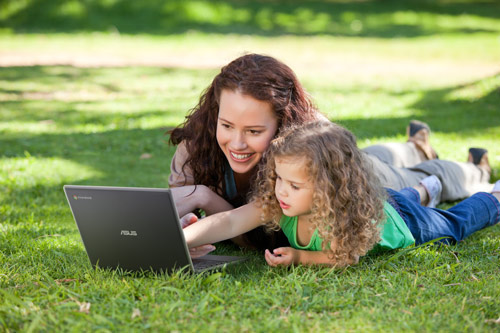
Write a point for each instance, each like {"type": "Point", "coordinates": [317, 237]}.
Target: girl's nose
{"type": "Point", "coordinates": [281, 190]}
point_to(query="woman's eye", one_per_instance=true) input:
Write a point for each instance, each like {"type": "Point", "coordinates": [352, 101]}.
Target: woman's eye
{"type": "Point", "coordinates": [225, 125]}
{"type": "Point", "coordinates": [295, 187]}
{"type": "Point", "coordinates": [255, 132]}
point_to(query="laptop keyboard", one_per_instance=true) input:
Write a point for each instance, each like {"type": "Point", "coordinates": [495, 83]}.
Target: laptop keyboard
{"type": "Point", "coordinates": [202, 264]}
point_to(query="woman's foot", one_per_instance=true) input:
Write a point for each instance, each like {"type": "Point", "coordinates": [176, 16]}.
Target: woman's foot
{"type": "Point", "coordinates": [433, 187]}
{"type": "Point", "coordinates": [419, 133]}
{"type": "Point", "coordinates": [479, 157]}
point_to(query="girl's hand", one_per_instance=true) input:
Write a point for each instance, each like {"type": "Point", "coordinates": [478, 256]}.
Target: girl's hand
{"type": "Point", "coordinates": [284, 256]}
{"type": "Point", "coordinates": [201, 250]}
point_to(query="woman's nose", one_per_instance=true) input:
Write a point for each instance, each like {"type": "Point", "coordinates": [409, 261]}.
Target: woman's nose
{"type": "Point", "coordinates": [238, 141]}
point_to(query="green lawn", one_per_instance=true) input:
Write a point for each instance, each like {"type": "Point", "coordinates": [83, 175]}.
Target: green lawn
{"type": "Point", "coordinates": [370, 65]}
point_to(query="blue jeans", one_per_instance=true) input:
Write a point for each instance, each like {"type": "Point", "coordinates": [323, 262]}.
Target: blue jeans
{"type": "Point", "coordinates": [472, 214]}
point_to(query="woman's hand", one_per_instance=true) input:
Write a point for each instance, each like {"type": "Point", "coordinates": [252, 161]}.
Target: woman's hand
{"type": "Point", "coordinates": [201, 250]}
{"type": "Point", "coordinates": [188, 219]}
{"type": "Point", "coordinates": [190, 197]}
{"type": "Point", "coordinates": [284, 256]}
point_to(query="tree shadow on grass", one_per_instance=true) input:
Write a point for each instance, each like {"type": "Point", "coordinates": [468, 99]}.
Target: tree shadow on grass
{"type": "Point", "coordinates": [266, 18]}
{"type": "Point", "coordinates": [448, 110]}
{"type": "Point", "coordinates": [107, 79]}
{"type": "Point", "coordinates": [106, 152]}
{"type": "Point", "coordinates": [113, 158]}
{"type": "Point", "coordinates": [63, 115]}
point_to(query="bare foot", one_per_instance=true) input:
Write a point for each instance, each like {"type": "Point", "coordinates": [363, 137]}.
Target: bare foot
{"type": "Point", "coordinates": [419, 133]}
{"type": "Point", "coordinates": [482, 155]}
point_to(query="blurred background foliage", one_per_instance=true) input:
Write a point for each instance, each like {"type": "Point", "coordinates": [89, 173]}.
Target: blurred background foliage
{"type": "Point", "coordinates": [363, 18]}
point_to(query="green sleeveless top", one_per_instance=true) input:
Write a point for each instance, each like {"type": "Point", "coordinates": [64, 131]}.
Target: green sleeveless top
{"type": "Point", "coordinates": [394, 234]}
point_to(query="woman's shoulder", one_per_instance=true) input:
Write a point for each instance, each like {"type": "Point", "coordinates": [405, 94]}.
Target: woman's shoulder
{"type": "Point", "coordinates": [180, 173]}
{"type": "Point", "coordinates": [321, 117]}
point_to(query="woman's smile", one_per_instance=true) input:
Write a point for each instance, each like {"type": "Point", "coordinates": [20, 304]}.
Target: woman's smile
{"type": "Point", "coordinates": [241, 157]}
{"type": "Point", "coordinates": [245, 127]}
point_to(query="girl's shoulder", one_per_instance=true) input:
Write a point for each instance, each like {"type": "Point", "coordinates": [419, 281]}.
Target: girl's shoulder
{"type": "Point", "coordinates": [395, 233]}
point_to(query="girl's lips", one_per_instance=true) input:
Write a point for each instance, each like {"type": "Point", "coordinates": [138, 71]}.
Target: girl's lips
{"type": "Point", "coordinates": [284, 205]}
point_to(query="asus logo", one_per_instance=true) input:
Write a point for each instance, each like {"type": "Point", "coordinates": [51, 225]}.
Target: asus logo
{"type": "Point", "coordinates": [128, 233]}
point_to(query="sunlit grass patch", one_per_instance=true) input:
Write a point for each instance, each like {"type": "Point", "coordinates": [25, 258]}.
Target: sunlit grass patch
{"type": "Point", "coordinates": [476, 90]}
{"type": "Point", "coordinates": [22, 173]}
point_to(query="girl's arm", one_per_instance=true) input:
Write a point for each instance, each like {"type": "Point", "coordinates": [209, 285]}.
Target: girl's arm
{"type": "Point", "coordinates": [286, 256]}
{"type": "Point", "coordinates": [225, 225]}
{"type": "Point", "coordinates": [188, 198]}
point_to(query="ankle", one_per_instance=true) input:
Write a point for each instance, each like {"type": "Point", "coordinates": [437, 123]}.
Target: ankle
{"type": "Point", "coordinates": [433, 187]}
{"type": "Point", "coordinates": [424, 195]}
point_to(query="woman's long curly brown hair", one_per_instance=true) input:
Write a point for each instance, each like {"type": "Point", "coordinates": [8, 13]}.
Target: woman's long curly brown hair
{"type": "Point", "coordinates": [348, 200]}
{"type": "Point", "coordinates": [261, 77]}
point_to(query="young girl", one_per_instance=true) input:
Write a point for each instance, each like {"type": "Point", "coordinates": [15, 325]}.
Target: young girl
{"type": "Point", "coordinates": [317, 188]}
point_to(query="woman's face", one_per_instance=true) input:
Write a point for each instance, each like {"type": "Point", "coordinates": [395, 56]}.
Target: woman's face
{"type": "Point", "coordinates": [245, 126]}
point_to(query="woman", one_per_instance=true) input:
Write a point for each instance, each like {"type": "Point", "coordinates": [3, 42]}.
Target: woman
{"type": "Point", "coordinates": [222, 141]}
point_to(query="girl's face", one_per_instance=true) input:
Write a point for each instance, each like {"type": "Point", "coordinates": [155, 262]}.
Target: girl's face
{"type": "Point", "coordinates": [294, 188]}
{"type": "Point", "coordinates": [245, 127]}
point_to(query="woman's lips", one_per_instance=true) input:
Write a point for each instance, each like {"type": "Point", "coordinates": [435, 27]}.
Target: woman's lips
{"type": "Point", "coordinates": [240, 157]}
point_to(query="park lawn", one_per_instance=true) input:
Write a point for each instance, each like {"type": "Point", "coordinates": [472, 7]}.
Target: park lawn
{"type": "Point", "coordinates": [106, 126]}
{"type": "Point", "coordinates": [436, 61]}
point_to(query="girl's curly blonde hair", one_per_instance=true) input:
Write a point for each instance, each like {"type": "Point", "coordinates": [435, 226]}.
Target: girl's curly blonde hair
{"type": "Point", "coordinates": [348, 200]}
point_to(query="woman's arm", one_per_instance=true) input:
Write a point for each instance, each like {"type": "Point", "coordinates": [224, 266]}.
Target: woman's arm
{"type": "Point", "coordinates": [187, 197]}
{"type": "Point", "coordinates": [286, 256]}
{"type": "Point", "coordinates": [223, 225]}
{"type": "Point", "coordinates": [180, 173]}
{"type": "Point", "coordinates": [191, 197]}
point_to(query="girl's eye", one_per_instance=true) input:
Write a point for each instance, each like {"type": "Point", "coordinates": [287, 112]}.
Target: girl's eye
{"type": "Point", "coordinates": [295, 187]}
{"type": "Point", "coordinates": [225, 125]}
{"type": "Point", "coordinates": [255, 132]}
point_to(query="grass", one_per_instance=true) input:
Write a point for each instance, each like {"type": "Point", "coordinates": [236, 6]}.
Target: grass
{"type": "Point", "coordinates": [434, 61]}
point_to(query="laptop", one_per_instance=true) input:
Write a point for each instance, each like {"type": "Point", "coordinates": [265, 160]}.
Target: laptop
{"type": "Point", "coordinates": [134, 229]}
